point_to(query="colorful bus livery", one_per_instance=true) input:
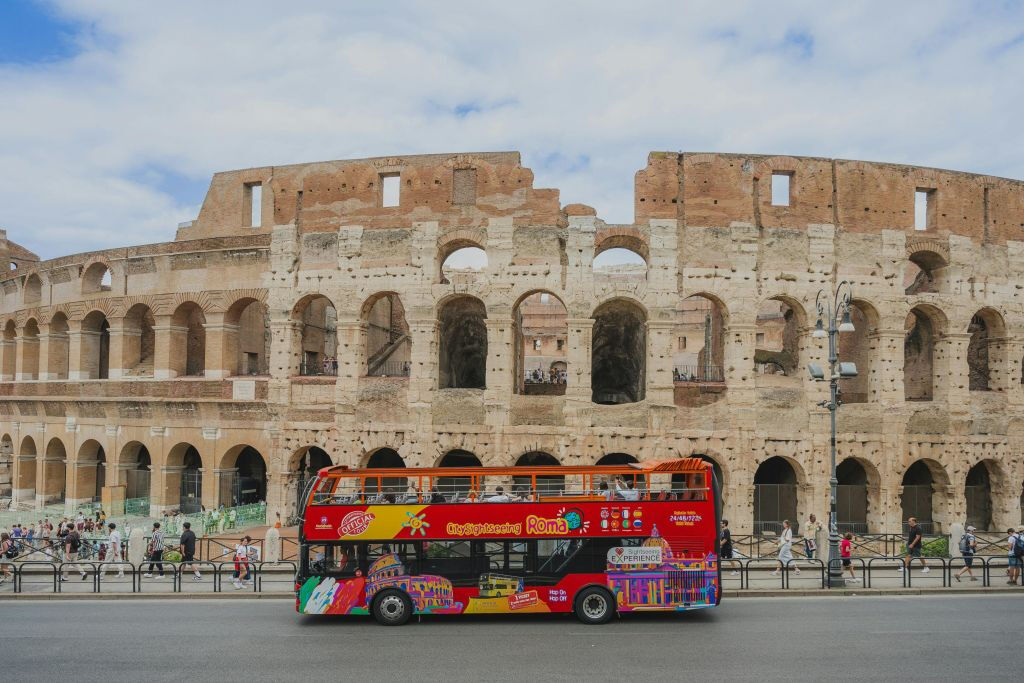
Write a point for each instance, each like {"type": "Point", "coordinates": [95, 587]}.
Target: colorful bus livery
{"type": "Point", "coordinates": [393, 543]}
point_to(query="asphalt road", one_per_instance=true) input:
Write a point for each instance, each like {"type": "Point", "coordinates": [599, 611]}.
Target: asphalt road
{"type": "Point", "coordinates": [963, 637]}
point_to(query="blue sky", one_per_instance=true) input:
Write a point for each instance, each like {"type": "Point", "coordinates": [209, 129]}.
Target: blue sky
{"type": "Point", "coordinates": [114, 116]}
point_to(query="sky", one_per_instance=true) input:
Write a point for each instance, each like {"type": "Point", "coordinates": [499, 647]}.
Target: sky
{"type": "Point", "coordinates": [114, 115]}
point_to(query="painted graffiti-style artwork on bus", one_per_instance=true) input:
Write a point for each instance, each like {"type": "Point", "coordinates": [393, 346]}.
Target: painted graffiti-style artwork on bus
{"type": "Point", "coordinates": [500, 594]}
{"type": "Point", "coordinates": [649, 577]}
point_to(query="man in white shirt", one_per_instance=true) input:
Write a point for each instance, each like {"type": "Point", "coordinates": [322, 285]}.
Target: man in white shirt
{"type": "Point", "coordinates": [499, 497]}
{"type": "Point", "coordinates": [626, 492]}
{"type": "Point", "coordinates": [114, 549]}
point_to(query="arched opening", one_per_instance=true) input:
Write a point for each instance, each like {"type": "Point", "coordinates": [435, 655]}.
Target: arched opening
{"type": "Point", "coordinates": [619, 263]}
{"type": "Point", "coordinates": [921, 481]}
{"type": "Point", "coordinates": [982, 354]}
{"type": "Point", "coordinates": [777, 338]}
{"type": "Point", "coordinates": [33, 289]}
{"type": "Point", "coordinates": [96, 278]}
{"type": "Point", "coordinates": [318, 350]}
{"type": "Point", "coordinates": [390, 486]}
{"type": "Point", "coordinates": [715, 467]}
{"type": "Point", "coordinates": [95, 358]}
{"type": "Point", "coordinates": [137, 466]}
{"type": "Point", "coordinates": [247, 338]}
{"type": "Point", "coordinates": [54, 483]}
{"type": "Point", "coordinates": [923, 331]}
{"type": "Point", "coordinates": [775, 496]}
{"type": "Point", "coordinates": [618, 359]}
{"type": "Point", "coordinates": [305, 464]}
{"type": "Point", "coordinates": [463, 344]}
{"type": "Point", "coordinates": [25, 483]}
{"type": "Point", "coordinates": [139, 342]}
{"type": "Point", "coordinates": [388, 344]}
{"type": "Point", "coordinates": [923, 273]}
{"type": "Point", "coordinates": [540, 335]}
{"type": "Point", "coordinates": [90, 472]}
{"type": "Point", "coordinates": [58, 360]}
{"type": "Point", "coordinates": [860, 347]}
{"type": "Point", "coordinates": [10, 349]}
{"type": "Point", "coordinates": [978, 491]}
{"type": "Point", "coordinates": [462, 260]}
{"type": "Point", "coordinates": [30, 354]}
{"type": "Point", "coordinates": [852, 497]}
{"type": "Point", "coordinates": [188, 340]}
{"type": "Point", "coordinates": [456, 487]}
{"type": "Point", "coordinates": [699, 350]}
{"type": "Point", "coordinates": [616, 459]}
{"type": "Point", "coordinates": [190, 485]}
{"type": "Point", "coordinates": [547, 484]}
{"type": "Point", "coordinates": [247, 484]}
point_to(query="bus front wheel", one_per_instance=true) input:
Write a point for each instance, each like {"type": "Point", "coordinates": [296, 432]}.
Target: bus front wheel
{"type": "Point", "coordinates": [594, 605]}
{"type": "Point", "coordinates": [392, 608]}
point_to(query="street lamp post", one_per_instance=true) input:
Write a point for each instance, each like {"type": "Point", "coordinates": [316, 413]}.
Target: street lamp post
{"type": "Point", "coordinates": [829, 311]}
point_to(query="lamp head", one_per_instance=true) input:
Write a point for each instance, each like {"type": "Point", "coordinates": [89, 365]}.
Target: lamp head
{"type": "Point", "coordinates": [816, 371]}
{"type": "Point", "coordinates": [846, 325]}
{"type": "Point", "coordinates": [819, 330]}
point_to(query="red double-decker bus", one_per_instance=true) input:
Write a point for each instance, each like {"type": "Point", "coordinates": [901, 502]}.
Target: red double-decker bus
{"type": "Point", "coordinates": [481, 540]}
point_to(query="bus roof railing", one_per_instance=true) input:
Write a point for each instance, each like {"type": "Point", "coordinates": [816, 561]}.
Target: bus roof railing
{"type": "Point", "coordinates": [680, 465]}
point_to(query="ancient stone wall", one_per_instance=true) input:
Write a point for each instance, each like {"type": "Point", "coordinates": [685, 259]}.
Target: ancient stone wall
{"type": "Point", "coordinates": [234, 308]}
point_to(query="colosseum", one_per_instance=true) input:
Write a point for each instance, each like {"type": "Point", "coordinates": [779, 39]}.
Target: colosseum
{"type": "Point", "coordinates": [316, 314]}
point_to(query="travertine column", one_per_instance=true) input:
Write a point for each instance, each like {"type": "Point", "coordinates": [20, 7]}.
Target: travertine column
{"type": "Point", "coordinates": [122, 341]}
{"type": "Point", "coordinates": [167, 339]}
{"type": "Point", "coordinates": [423, 372]}
{"type": "Point", "coordinates": [500, 349]}
{"type": "Point", "coordinates": [221, 354]}
{"type": "Point", "coordinates": [27, 357]}
{"type": "Point", "coordinates": [351, 363]}
{"type": "Point", "coordinates": [8, 362]}
{"type": "Point", "coordinates": [886, 382]}
{"type": "Point", "coordinates": [285, 347]}
{"type": "Point", "coordinates": [950, 374]}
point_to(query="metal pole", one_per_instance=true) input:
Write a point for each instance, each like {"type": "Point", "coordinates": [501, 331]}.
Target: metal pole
{"type": "Point", "coordinates": [835, 571]}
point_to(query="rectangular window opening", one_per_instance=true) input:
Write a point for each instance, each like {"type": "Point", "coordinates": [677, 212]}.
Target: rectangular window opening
{"type": "Point", "coordinates": [760, 338]}
{"type": "Point", "coordinates": [252, 204]}
{"type": "Point", "coordinates": [781, 188]}
{"type": "Point", "coordinates": [390, 189]}
{"type": "Point", "coordinates": [924, 208]}
{"type": "Point", "coordinates": [536, 344]}
{"type": "Point", "coordinates": [561, 344]}
{"type": "Point", "coordinates": [682, 343]}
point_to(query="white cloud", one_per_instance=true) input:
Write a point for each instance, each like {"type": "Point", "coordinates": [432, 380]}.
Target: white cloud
{"type": "Point", "coordinates": [583, 89]}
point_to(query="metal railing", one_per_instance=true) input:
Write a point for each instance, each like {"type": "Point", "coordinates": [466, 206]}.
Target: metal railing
{"type": "Point", "coordinates": [698, 373]}
{"type": "Point", "coordinates": [391, 368]}
{"type": "Point", "coordinates": [319, 369]}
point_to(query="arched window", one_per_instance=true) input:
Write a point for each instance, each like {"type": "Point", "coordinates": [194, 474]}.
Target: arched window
{"type": "Point", "coordinates": [58, 360]}
{"type": "Point", "coordinates": [547, 484]}
{"type": "Point", "coordinates": [319, 343]}
{"type": "Point", "coordinates": [618, 358]}
{"type": "Point", "coordinates": [983, 356]}
{"type": "Point", "coordinates": [777, 339]}
{"type": "Point", "coordinates": [978, 491]}
{"type": "Point", "coordinates": [393, 487]}
{"type": "Point", "coordinates": [30, 355]}
{"type": "Point", "coordinates": [924, 328]}
{"type": "Point", "coordinates": [33, 289]}
{"type": "Point", "coordinates": [96, 278]}
{"type": "Point", "coordinates": [540, 337]}
{"type": "Point", "coordinates": [188, 340]}
{"type": "Point", "coordinates": [388, 344]}
{"type": "Point", "coordinates": [920, 483]}
{"type": "Point", "coordinates": [775, 496]}
{"type": "Point", "coordinates": [619, 263]}
{"type": "Point", "coordinates": [463, 344]}
{"type": "Point", "coordinates": [462, 260]}
{"type": "Point", "coordinates": [248, 483]}
{"type": "Point", "coordinates": [456, 487]}
{"type": "Point", "coordinates": [852, 497]}
{"type": "Point", "coordinates": [95, 359]}
{"type": "Point", "coordinates": [859, 347]}
{"type": "Point", "coordinates": [923, 273]}
{"type": "Point", "coordinates": [699, 348]}
{"type": "Point", "coordinates": [139, 343]}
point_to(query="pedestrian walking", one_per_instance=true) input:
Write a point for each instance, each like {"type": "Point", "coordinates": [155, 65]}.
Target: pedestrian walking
{"type": "Point", "coordinates": [114, 550]}
{"type": "Point", "coordinates": [968, 546]}
{"type": "Point", "coordinates": [72, 543]}
{"type": "Point", "coordinates": [1016, 554]}
{"type": "Point", "coordinates": [811, 528]}
{"type": "Point", "coordinates": [845, 553]}
{"type": "Point", "coordinates": [241, 574]}
{"type": "Point", "coordinates": [914, 539]}
{"type": "Point", "coordinates": [8, 551]}
{"type": "Point", "coordinates": [156, 552]}
{"type": "Point", "coordinates": [786, 548]}
{"type": "Point", "coordinates": [187, 548]}
{"type": "Point", "coordinates": [725, 544]}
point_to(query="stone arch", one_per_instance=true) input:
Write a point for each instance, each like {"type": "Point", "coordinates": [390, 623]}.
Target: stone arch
{"type": "Point", "coordinates": [470, 244]}
{"type": "Point", "coordinates": [25, 471]}
{"type": "Point", "coordinates": [776, 494]}
{"type": "Point", "coordinates": [983, 484]}
{"type": "Point", "coordinates": [858, 502]}
{"type": "Point", "coordinates": [58, 360]}
{"type": "Point", "coordinates": [924, 489]}
{"type": "Point", "coordinates": [243, 479]}
{"type": "Point", "coordinates": [620, 258]}
{"type": "Point", "coordinates": [94, 361]}
{"type": "Point", "coordinates": [97, 277]}
{"type": "Point", "coordinates": [318, 335]}
{"type": "Point", "coordinates": [985, 355]}
{"type": "Point", "coordinates": [924, 270]}
{"type": "Point", "coordinates": [618, 359]}
{"type": "Point", "coordinates": [30, 354]}
{"type": "Point", "coordinates": [90, 471]}
{"type": "Point", "coordinates": [780, 323]}
{"type": "Point", "coordinates": [699, 348]}
{"type": "Point", "coordinates": [33, 293]}
{"type": "Point", "coordinates": [462, 343]}
{"type": "Point", "coordinates": [452, 487]}
{"type": "Point", "coordinates": [183, 478]}
{"type": "Point", "coordinates": [247, 337]}
{"type": "Point", "coordinates": [54, 473]}
{"type": "Point", "coordinates": [627, 238]}
{"type": "Point", "coordinates": [616, 459]}
{"type": "Point", "coordinates": [139, 341]}
{"type": "Point", "coordinates": [547, 484]}
{"type": "Point", "coordinates": [862, 348]}
{"type": "Point", "coordinates": [386, 458]}
{"type": "Point", "coordinates": [188, 340]}
{"type": "Point", "coordinates": [540, 334]}
{"type": "Point", "coordinates": [924, 327]}
{"type": "Point", "coordinates": [388, 342]}
{"type": "Point", "coordinates": [136, 463]}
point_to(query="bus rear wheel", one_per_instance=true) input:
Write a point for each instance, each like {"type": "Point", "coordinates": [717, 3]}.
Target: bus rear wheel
{"type": "Point", "coordinates": [594, 605]}
{"type": "Point", "coordinates": [392, 608]}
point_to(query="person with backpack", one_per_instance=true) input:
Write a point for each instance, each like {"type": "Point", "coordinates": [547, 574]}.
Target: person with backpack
{"type": "Point", "coordinates": [725, 545]}
{"type": "Point", "coordinates": [1016, 555]}
{"type": "Point", "coordinates": [72, 544]}
{"type": "Point", "coordinates": [968, 546]}
{"type": "Point", "coordinates": [156, 552]}
{"type": "Point", "coordinates": [8, 551]}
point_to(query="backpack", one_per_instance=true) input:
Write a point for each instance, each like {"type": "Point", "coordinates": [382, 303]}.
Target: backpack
{"type": "Point", "coordinates": [1018, 547]}
{"type": "Point", "coordinates": [12, 550]}
{"type": "Point", "coordinates": [74, 541]}
{"type": "Point", "coordinates": [965, 545]}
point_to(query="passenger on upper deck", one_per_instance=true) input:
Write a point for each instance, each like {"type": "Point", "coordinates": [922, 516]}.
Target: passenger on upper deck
{"type": "Point", "coordinates": [626, 491]}
{"type": "Point", "coordinates": [499, 497]}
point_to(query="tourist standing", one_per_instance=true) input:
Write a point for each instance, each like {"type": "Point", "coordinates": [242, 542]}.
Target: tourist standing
{"type": "Point", "coordinates": [786, 548]}
{"type": "Point", "coordinates": [156, 551]}
{"type": "Point", "coordinates": [968, 546]}
{"type": "Point", "coordinates": [8, 551]}
{"type": "Point", "coordinates": [114, 549]}
{"type": "Point", "coordinates": [725, 544]}
{"type": "Point", "coordinates": [187, 547]}
{"type": "Point", "coordinates": [914, 540]}
{"type": "Point", "coordinates": [811, 528]}
{"type": "Point", "coordinates": [1016, 555]}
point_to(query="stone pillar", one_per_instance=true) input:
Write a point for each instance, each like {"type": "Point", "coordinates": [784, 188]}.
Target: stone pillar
{"type": "Point", "coordinates": [81, 482]}
{"type": "Point", "coordinates": [84, 354]}
{"type": "Point", "coordinates": [8, 362]}
{"type": "Point", "coordinates": [351, 363]}
{"type": "Point", "coordinates": [220, 475]}
{"type": "Point", "coordinates": [46, 343]}
{"type": "Point", "coordinates": [209, 488]}
{"type": "Point", "coordinates": [500, 349]}
{"type": "Point", "coordinates": [164, 488]}
{"type": "Point", "coordinates": [27, 357]}
{"type": "Point", "coordinates": [1014, 351]}
{"type": "Point", "coordinates": [221, 359]}
{"type": "Point", "coordinates": [122, 341]}
{"type": "Point", "coordinates": [169, 347]}
{"type": "Point", "coordinates": [285, 347]}
{"type": "Point", "coordinates": [950, 375]}
{"type": "Point", "coordinates": [423, 370]}
{"type": "Point", "coordinates": [18, 493]}
{"type": "Point", "coordinates": [578, 392]}
{"type": "Point", "coordinates": [886, 382]}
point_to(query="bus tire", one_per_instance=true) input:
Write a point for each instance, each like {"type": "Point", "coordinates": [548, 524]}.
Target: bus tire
{"type": "Point", "coordinates": [392, 607]}
{"type": "Point", "coordinates": [594, 605]}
